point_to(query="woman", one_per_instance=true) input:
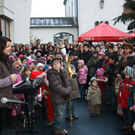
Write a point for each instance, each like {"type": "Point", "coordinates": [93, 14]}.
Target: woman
{"type": "Point", "coordinates": [58, 51]}
{"type": "Point", "coordinates": [8, 70]}
{"type": "Point", "coordinates": [80, 48]}
{"type": "Point", "coordinates": [45, 50]}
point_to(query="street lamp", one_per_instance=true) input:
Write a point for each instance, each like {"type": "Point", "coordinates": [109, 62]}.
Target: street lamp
{"type": "Point", "coordinates": [101, 4]}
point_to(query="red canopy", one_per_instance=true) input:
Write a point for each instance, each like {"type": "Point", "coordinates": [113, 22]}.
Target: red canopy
{"type": "Point", "coordinates": [132, 34]}
{"type": "Point", "coordinates": [104, 32]}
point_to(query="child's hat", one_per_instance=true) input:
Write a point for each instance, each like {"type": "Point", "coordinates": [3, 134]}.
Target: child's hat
{"type": "Point", "coordinates": [46, 67]}
{"type": "Point", "coordinates": [95, 52]}
{"type": "Point", "coordinates": [23, 58]}
{"type": "Point", "coordinates": [40, 64]}
{"type": "Point", "coordinates": [128, 70]}
{"type": "Point", "coordinates": [93, 79]}
{"type": "Point", "coordinates": [100, 72]}
{"type": "Point", "coordinates": [101, 54]}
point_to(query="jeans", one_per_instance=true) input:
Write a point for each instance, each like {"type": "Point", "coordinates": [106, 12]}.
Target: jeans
{"type": "Point", "coordinates": [58, 115]}
{"type": "Point", "coordinates": [73, 103]}
{"type": "Point", "coordinates": [82, 90]}
{"type": "Point", "coordinates": [127, 117]}
{"type": "Point", "coordinates": [112, 97]}
{"type": "Point", "coordinates": [3, 113]}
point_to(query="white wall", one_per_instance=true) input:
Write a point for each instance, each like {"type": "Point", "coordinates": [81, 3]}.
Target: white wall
{"type": "Point", "coordinates": [46, 34]}
{"type": "Point", "coordinates": [90, 12]}
{"type": "Point", "coordinates": [20, 23]}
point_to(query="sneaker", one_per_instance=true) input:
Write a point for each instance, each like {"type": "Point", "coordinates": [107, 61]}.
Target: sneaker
{"type": "Point", "coordinates": [92, 115]}
{"type": "Point", "coordinates": [98, 114]}
{"type": "Point", "coordinates": [61, 132]}
{"type": "Point", "coordinates": [49, 123]}
{"type": "Point", "coordinates": [68, 118]}
{"type": "Point", "coordinates": [75, 117]}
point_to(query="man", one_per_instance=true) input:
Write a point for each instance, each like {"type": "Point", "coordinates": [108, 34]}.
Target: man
{"type": "Point", "coordinates": [38, 42]}
{"type": "Point", "coordinates": [86, 55]}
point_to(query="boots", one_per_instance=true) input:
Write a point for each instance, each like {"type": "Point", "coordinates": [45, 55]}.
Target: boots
{"type": "Point", "coordinates": [129, 131]}
{"type": "Point", "coordinates": [15, 122]}
{"type": "Point", "coordinates": [61, 132]}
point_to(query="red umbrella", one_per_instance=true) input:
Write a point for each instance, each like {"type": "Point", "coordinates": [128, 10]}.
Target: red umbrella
{"type": "Point", "coordinates": [132, 34]}
{"type": "Point", "coordinates": [104, 32]}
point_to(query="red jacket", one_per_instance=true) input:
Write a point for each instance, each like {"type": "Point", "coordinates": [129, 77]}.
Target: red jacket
{"type": "Point", "coordinates": [124, 91]}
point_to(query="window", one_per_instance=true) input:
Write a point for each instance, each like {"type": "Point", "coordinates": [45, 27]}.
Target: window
{"type": "Point", "coordinates": [106, 22]}
{"type": "Point", "coordinates": [4, 27]}
{"type": "Point", "coordinates": [96, 23]}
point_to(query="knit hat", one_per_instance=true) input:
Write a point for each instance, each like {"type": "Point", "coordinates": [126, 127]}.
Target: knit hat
{"type": "Point", "coordinates": [100, 72]}
{"type": "Point", "coordinates": [40, 64]}
{"type": "Point", "coordinates": [128, 70]}
{"type": "Point", "coordinates": [101, 54]}
{"type": "Point", "coordinates": [95, 52]}
{"type": "Point", "coordinates": [55, 59]}
{"type": "Point", "coordinates": [20, 56]}
{"type": "Point", "coordinates": [108, 53]}
{"type": "Point", "coordinates": [129, 45]}
{"type": "Point", "coordinates": [81, 61]}
{"type": "Point", "coordinates": [72, 66]}
{"type": "Point", "coordinates": [46, 67]}
{"type": "Point", "coordinates": [93, 79]}
{"type": "Point", "coordinates": [76, 53]}
{"type": "Point", "coordinates": [23, 58]}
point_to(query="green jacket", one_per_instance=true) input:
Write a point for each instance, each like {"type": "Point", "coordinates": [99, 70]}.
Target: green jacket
{"type": "Point", "coordinates": [91, 64]}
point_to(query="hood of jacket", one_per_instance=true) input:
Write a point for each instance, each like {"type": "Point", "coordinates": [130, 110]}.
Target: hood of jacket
{"type": "Point", "coordinates": [81, 61]}
{"type": "Point", "coordinates": [30, 61]}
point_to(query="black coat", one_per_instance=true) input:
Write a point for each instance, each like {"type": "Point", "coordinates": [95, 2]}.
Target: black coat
{"type": "Point", "coordinates": [74, 62]}
{"type": "Point", "coordinates": [85, 56]}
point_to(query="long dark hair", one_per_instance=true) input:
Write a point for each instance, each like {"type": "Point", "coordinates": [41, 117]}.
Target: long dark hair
{"type": "Point", "coordinates": [3, 41]}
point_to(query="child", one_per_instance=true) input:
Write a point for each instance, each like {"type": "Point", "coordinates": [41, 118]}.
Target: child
{"type": "Point", "coordinates": [74, 61]}
{"type": "Point", "coordinates": [131, 106]}
{"type": "Point", "coordinates": [24, 60]}
{"type": "Point", "coordinates": [26, 73]}
{"type": "Point", "coordinates": [31, 62]}
{"type": "Point", "coordinates": [94, 97]}
{"type": "Point", "coordinates": [101, 83]}
{"type": "Point", "coordinates": [74, 94]}
{"type": "Point", "coordinates": [123, 96]}
{"type": "Point", "coordinates": [91, 64]}
{"type": "Point", "coordinates": [46, 99]}
{"type": "Point", "coordinates": [59, 88]}
{"type": "Point", "coordinates": [110, 72]}
{"type": "Point", "coordinates": [40, 66]}
{"type": "Point", "coordinates": [82, 77]}
{"type": "Point", "coordinates": [100, 61]}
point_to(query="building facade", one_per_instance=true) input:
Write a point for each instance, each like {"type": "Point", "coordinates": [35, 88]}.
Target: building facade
{"type": "Point", "coordinates": [90, 13]}
{"type": "Point", "coordinates": [15, 20]}
{"type": "Point", "coordinates": [54, 29]}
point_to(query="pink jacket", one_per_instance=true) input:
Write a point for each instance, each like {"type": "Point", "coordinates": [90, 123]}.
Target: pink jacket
{"type": "Point", "coordinates": [82, 73]}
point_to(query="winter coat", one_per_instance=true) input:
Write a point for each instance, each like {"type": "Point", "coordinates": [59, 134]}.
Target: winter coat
{"type": "Point", "coordinates": [93, 95]}
{"type": "Point", "coordinates": [99, 64]}
{"type": "Point", "coordinates": [75, 90]}
{"type": "Point", "coordinates": [110, 72]}
{"type": "Point", "coordinates": [91, 64]}
{"type": "Point", "coordinates": [106, 65]}
{"type": "Point", "coordinates": [74, 62]}
{"type": "Point", "coordinates": [85, 56]}
{"type": "Point", "coordinates": [82, 74]}
{"type": "Point", "coordinates": [129, 62]}
{"type": "Point", "coordinates": [102, 83]}
{"type": "Point", "coordinates": [57, 91]}
{"type": "Point", "coordinates": [6, 83]}
{"type": "Point", "coordinates": [131, 100]}
{"type": "Point", "coordinates": [124, 91]}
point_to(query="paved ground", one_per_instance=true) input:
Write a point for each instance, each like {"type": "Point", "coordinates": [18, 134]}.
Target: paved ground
{"type": "Point", "coordinates": [107, 124]}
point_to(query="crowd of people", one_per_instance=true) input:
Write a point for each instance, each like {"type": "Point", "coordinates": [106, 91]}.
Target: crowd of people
{"type": "Point", "coordinates": [102, 74]}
